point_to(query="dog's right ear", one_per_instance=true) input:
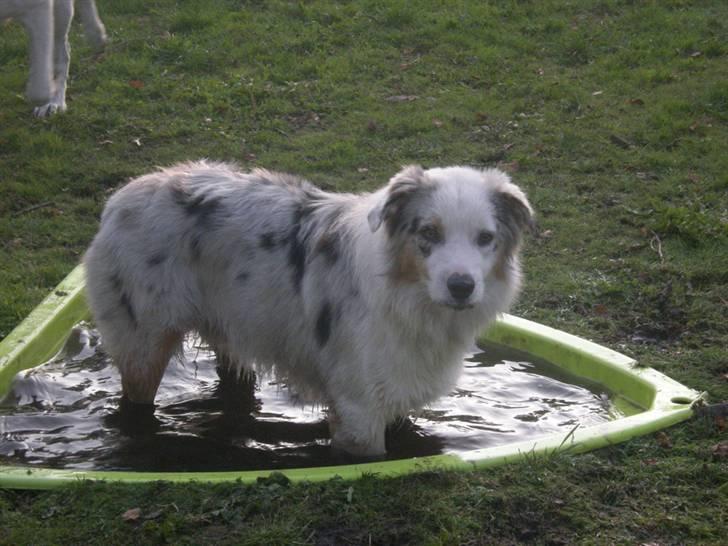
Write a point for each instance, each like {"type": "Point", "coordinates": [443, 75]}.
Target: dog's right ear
{"type": "Point", "coordinates": [400, 190]}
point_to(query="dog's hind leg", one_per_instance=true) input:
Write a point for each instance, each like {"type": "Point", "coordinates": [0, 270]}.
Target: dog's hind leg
{"type": "Point", "coordinates": [38, 22]}
{"type": "Point", "coordinates": [143, 365]}
{"type": "Point", "coordinates": [62, 15]}
{"type": "Point", "coordinates": [93, 28]}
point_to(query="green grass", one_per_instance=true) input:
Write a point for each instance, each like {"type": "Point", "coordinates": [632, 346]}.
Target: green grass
{"type": "Point", "coordinates": [613, 115]}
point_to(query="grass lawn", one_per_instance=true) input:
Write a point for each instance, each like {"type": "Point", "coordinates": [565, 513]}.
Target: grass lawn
{"type": "Point", "coordinates": [612, 114]}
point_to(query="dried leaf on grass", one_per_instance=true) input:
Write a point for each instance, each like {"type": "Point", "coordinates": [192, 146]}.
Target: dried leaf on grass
{"type": "Point", "coordinates": [132, 515]}
{"type": "Point", "coordinates": [720, 450]}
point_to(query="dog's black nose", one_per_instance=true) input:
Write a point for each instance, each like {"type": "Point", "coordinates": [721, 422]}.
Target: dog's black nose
{"type": "Point", "coordinates": [460, 286]}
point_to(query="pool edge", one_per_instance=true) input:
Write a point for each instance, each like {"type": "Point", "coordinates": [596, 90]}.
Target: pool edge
{"type": "Point", "coordinates": [38, 337]}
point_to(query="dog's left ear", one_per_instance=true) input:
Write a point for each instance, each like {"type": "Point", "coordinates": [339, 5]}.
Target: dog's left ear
{"type": "Point", "coordinates": [400, 191]}
{"type": "Point", "coordinates": [512, 210]}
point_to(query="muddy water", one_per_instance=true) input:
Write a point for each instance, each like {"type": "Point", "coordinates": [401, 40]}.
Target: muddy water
{"type": "Point", "coordinates": [64, 414]}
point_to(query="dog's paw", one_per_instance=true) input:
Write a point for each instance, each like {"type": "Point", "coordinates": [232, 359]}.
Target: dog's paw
{"type": "Point", "coordinates": [49, 109]}
{"type": "Point", "coordinates": [344, 441]}
{"type": "Point", "coordinates": [39, 94]}
{"type": "Point", "coordinates": [98, 41]}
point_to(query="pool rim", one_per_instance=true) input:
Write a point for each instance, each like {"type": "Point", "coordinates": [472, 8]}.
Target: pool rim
{"type": "Point", "coordinates": [666, 402]}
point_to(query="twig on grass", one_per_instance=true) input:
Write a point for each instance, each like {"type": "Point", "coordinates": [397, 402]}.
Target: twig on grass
{"type": "Point", "coordinates": [33, 207]}
{"type": "Point", "coordinates": [656, 245]}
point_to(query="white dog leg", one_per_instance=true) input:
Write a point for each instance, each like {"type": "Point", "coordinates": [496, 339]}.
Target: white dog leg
{"type": "Point", "coordinates": [93, 28]}
{"type": "Point", "coordinates": [62, 15]}
{"type": "Point", "coordinates": [355, 430]}
{"type": "Point", "coordinates": [38, 22]}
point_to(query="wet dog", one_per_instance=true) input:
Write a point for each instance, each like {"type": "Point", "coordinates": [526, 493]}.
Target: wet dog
{"type": "Point", "coordinates": [48, 23]}
{"type": "Point", "coordinates": [365, 303]}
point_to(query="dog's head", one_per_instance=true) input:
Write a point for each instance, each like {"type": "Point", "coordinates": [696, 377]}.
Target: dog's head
{"type": "Point", "coordinates": [455, 229]}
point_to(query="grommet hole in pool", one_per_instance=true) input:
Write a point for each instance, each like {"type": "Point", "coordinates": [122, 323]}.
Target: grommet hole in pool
{"type": "Point", "coordinates": [65, 414]}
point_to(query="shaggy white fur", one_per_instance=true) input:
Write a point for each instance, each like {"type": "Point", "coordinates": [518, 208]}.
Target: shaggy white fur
{"type": "Point", "coordinates": [365, 303]}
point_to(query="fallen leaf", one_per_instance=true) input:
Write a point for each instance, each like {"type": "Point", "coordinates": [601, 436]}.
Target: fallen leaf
{"type": "Point", "coordinates": [720, 451]}
{"type": "Point", "coordinates": [663, 440]}
{"type": "Point", "coordinates": [132, 515]}
{"type": "Point", "coordinates": [546, 234]}
{"type": "Point", "coordinates": [720, 422]}
{"type": "Point", "coordinates": [636, 102]}
{"type": "Point", "coordinates": [600, 309]}
{"type": "Point", "coordinates": [597, 93]}
{"type": "Point", "coordinates": [136, 84]}
{"type": "Point", "coordinates": [437, 123]}
{"type": "Point", "coordinates": [511, 167]}
{"type": "Point", "coordinates": [407, 64]}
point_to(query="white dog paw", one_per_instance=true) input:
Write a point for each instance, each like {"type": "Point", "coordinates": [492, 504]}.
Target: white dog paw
{"type": "Point", "coordinates": [49, 109]}
{"type": "Point", "coordinates": [98, 41]}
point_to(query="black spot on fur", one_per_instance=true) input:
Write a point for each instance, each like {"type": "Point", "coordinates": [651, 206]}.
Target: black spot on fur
{"type": "Point", "coordinates": [203, 209]}
{"type": "Point", "coordinates": [324, 324]}
{"type": "Point", "coordinates": [328, 246]}
{"type": "Point", "coordinates": [297, 251]}
{"type": "Point", "coordinates": [414, 225]}
{"type": "Point", "coordinates": [195, 247]}
{"type": "Point", "coordinates": [242, 276]}
{"type": "Point", "coordinates": [268, 241]}
{"type": "Point", "coordinates": [127, 218]}
{"type": "Point", "coordinates": [157, 259]}
{"type": "Point", "coordinates": [124, 300]}
{"type": "Point", "coordinates": [180, 194]}
{"type": "Point", "coordinates": [116, 282]}
{"type": "Point", "coordinates": [126, 304]}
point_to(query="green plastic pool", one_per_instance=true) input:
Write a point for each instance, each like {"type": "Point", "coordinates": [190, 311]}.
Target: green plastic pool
{"type": "Point", "coordinates": [649, 399]}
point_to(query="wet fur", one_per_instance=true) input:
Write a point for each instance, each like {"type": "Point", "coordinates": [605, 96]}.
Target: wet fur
{"type": "Point", "coordinates": [340, 295]}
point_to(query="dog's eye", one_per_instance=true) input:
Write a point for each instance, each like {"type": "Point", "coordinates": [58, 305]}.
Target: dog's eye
{"type": "Point", "coordinates": [485, 238]}
{"type": "Point", "coordinates": [431, 234]}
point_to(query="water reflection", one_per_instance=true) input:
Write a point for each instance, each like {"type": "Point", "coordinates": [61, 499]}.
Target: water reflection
{"type": "Point", "coordinates": [65, 414]}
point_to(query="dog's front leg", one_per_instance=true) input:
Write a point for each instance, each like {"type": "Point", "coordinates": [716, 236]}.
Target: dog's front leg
{"type": "Point", "coordinates": [356, 428]}
{"type": "Point", "coordinates": [38, 22]}
{"type": "Point", "coordinates": [92, 25]}
{"type": "Point", "coordinates": [62, 15]}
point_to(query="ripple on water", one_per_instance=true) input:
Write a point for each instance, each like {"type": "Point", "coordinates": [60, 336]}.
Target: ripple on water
{"type": "Point", "coordinates": [64, 414]}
